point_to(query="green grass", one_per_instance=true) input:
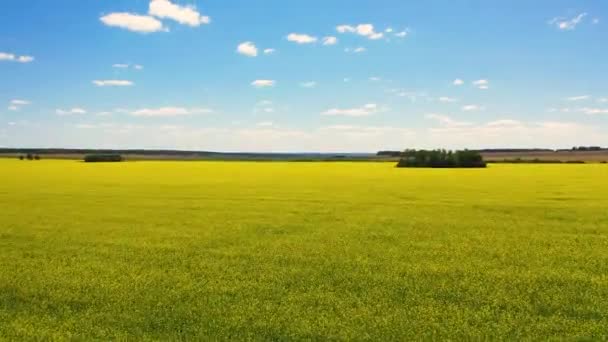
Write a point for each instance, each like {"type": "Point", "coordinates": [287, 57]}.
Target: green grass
{"type": "Point", "coordinates": [302, 251]}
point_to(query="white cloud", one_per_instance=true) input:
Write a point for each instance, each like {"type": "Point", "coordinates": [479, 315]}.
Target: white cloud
{"type": "Point", "coordinates": [330, 40]}
{"type": "Point", "coordinates": [16, 104]}
{"type": "Point", "coordinates": [375, 79]}
{"type": "Point", "coordinates": [133, 22]}
{"type": "Point", "coordinates": [365, 30]}
{"type": "Point", "coordinates": [20, 102]}
{"type": "Point", "coordinates": [446, 99]}
{"type": "Point", "coordinates": [264, 106]}
{"type": "Point", "coordinates": [263, 83]}
{"type": "Point", "coordinates": [565, 24]}
{"type": "Point", "coordinates": [72, 111]}
{"type": "Point", "coordinates": [482, 84]}
{"type": "Point", "coordinates": [269, 51]}
{"type": "Point", "coordinates": [112, 83]}
{"type": "Point", "coordinates": [603, 100]}
{"type": "Point", "coordinates": [596, 21]}
{"type": "Point", "coordinates": [186, 15]}
{"type": "Point", "coordinates": [445, 120]}
{"type": "Point", "coordinates": [301, 38]}
{"type": "Point", "coordinates": [402, 34]}
{"type": "Point", "coordinates": [126, 66]}
{"type": "Point", "coordinates": [265, 124]}
{"type": "Point", "coordinates": [345, 29]}
{"type": "Point", "coordinates": [359, 49]}
{"type": "Point", "coordinates": [458, 82]}
{"type": "Point", "coordinates": [366, 110]}
{"type": "Point", "coordinates": [25, 59]}
{"type": "Point", "coordinates": [472, 108]}
{"type": "Point", "coordinates": [248, 49]}
{"type": "Point", "coordinates": [9, 57]}
{"type": "Point", "coordinates": [168, 112]}
{"type": "Point", "coordinates": [594, 111]}
{"type": "Point", "coordinates": [578, 98]}
{"type": "Point", "coordinates": [309, 84]}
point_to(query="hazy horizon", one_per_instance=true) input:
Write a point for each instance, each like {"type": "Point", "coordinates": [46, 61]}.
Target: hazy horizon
{"type": "Point", "coordinates": [211, 75]}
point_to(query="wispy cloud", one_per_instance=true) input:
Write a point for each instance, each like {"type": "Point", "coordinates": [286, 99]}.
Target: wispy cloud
{"type": "Point", "coordinates": [127, 66]}
{"type": "Point", "coordinates": [565, 24]}
{"type": "Point", "coordinates": [458, 82]}
{"type": "Point", "coordinates": [482, 84]}
{"type": "Point", "coordinates": [9, 57]}
{"type": "Point", "coordinates": [578, 98]}
{"type": "Point", "coordinates": [445, 120]}
{"type": "Point", "coordinates": [269, 51]}
{"type": "Point", "coordinates": [594, 111]}
{"type": "Point", "coordinates": [359, 49]}
{"type": "Point", "coordinates": [113, 83]}
{"type": "Point", "coordinates": [73, 111]}
{"type": "Point", "coordinates": [472, 108]}
{"type": "Point", "coordinates": [309, 84]}
{"type": "Point", "coordinates": [16, 104]}
{"type": "Point", "coordinates": [446, 99]}
{"type": "Point", "coordinates": [168, 112]}
{"type": "Point", "coordinates": [366, 110]}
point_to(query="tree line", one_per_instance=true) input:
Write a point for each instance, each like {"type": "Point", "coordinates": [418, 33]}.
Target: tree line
{"type": "Point", "coordinates": [441, 159]}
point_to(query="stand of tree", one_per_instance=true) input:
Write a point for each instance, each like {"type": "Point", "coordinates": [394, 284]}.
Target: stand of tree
{"type": "Point", "coordinates": [100, 158]}
{"type": "Point", "coordinates": [441, 159]}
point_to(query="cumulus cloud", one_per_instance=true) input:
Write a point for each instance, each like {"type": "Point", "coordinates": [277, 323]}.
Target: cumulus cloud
{"type": "Point", "coordinates": [330, 40]}
{"type": "Point", "coordinates": [185, 15]}
{"type": "Point", "coordinates": [269, 51]}
{"type": "Point", "coordinates": [133, 22]}
{"type": "Point", "coordinates": [365, 30]}
{"type": "Point", "coordinates": [565, 24]}
{"type": "Point", "coordinates": [366, 110]}
{"type": "Point", "coordinates": [168, 112]}
{"type": "Point", "coordinates": [113, 83]}
{"type": "Point", "coordinates": [458, 82]}
{"type": "Point", "coordinates": [73, 111]}
{"type": "Point", "coordinates": [9, 57]}
{"type": "Point", "coordinates": [263, 83]}
{"type": "Point", "coordinates": [248, 49]}
{"type": "Point", "coordinates": [301, 38]}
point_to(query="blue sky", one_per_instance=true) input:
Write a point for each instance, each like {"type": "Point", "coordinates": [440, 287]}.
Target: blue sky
{"type": "Point", "coordinates": [308, 76]}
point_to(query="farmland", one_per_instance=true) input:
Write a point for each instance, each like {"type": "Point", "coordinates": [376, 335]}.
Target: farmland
{"type": "Point", "coordinates": [305, 251]}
